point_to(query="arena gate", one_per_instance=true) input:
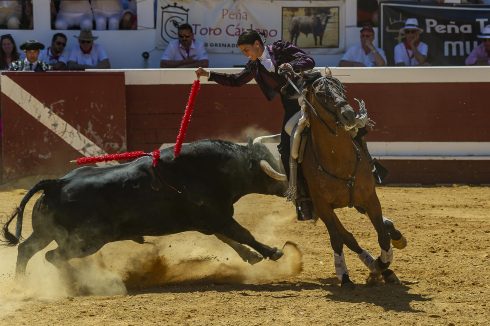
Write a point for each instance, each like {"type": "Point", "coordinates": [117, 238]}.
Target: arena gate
{"type": "Point", "coordinates": [431, 123]}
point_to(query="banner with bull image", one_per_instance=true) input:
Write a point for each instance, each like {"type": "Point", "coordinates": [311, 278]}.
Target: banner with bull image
{"type": "Point", "coordinates": [449, 31]}
{"type": "Point", "coordinates": [315, 26]}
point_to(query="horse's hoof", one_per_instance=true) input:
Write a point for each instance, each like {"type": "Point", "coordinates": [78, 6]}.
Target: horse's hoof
{"type": "Point", "coordinates": [347, 283]}
{"type": "Point", "coordinates": [276, 255]}
{"type": "Point", "coordinates": [374, 279]}
{"type": "Point", "coordinates": [390, 277]}
{"type": "Point", "coordinates": [400, 243]}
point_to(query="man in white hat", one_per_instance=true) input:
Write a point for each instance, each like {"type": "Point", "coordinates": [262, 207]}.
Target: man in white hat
{"type": "Point", "coordinates": [411, 51]}
{"type": "Point", "coordinates": [31, 62]}
{"type": "Point", "coordinates": [480, 55]}
{"type": "Point", "coordinates": [88, 55]}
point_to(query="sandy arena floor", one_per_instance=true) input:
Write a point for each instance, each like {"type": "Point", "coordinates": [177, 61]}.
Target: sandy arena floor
{"type": "Point", "coordinates": [191, 279]}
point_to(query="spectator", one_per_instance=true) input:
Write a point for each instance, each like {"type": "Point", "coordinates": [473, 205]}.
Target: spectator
{"type": "Point", "coordinates": [480, 56]}
{"type": "Point", "coordinates": [184, 52]}
{"type": "Point", "coordinates": [411, 51]}
{"type": "Point", "coordinates": [10, 14]}
{"type": "Point", "coordinates": [88, 55]}
{"type": "Point", "coordinates": [74, 13]}
{"type": "Point", "coordinates": [364, 54]}
{"type": "Point", "coordinates": [8, 51]}
{"type": "Point", "coordinates": [31, 61]}
{"type": "Point", "coordinates": [55, 55]}
{"type": "Point", "coordinates": [107, 14]}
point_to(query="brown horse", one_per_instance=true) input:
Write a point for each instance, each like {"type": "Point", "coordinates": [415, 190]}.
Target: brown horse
{"type": "Point", "coordinates": [338, 170]}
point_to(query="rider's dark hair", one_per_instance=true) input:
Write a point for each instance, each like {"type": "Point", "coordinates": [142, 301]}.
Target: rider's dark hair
{"type": "Point", "coordinates": [249, 37]}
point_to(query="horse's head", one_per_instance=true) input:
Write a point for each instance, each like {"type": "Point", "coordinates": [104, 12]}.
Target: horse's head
{"type": "Point", "coordinates": [328, 93]}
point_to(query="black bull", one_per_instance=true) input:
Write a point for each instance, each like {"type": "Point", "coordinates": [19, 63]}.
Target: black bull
{"type": "Point", "coordinates": [92, 206]}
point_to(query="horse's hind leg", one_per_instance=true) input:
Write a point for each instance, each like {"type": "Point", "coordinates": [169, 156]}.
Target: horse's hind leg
{"type": "Point", "coordinates": [373, 210]}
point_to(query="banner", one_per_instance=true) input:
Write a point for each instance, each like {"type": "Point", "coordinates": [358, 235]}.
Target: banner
{"type": "Point", "coordinates": [315, 26]}
{"type": "Point", "coordinates": [449, 31]}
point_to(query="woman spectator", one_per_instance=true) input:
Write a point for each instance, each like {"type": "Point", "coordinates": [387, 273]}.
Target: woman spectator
{"type": "Point", "coordinates": [8, 51]}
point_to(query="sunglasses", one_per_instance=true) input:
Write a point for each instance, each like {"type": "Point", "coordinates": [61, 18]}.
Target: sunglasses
{"type": "Point", "coordinates": [61, 43]}
{"type": "Point", "coordinates": [410, 31]}
{"type": "Point", "coordinates": [85, 42]}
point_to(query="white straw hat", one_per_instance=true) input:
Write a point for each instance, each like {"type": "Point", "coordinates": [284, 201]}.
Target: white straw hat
{"type": "Point", "coordinates": [412, 23]}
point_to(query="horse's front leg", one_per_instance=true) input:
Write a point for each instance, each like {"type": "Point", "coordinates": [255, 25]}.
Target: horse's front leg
{"type": "Point", "coordinates": [380, 266]}
{"type": "Point", "coordinates": [327, 215]}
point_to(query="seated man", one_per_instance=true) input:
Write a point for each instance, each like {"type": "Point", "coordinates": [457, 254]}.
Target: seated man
{"type": "Point", "coordinates": [184, 52]}
{"type": "Point", "coordinates": [411, 51]}
{"type": "Point", "coordinates": [10, 14]}
{"type": "Point", "coordinates": [55, 55]}
{"type": "Point", "coordinates": [364, 54]}
{"type": "Point", "coordinates": [31, 62]}
{"type": "Point", "coordinates": [107, 14]}
{"type": "Point", "coordinates": [74, 13]}
{"type": "Point", "coordinates": [88, 55]}
{"type": "Point", "coordinates": [480, 56]}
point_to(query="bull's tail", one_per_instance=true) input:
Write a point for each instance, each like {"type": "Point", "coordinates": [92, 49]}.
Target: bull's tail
{"type": "Point", "coordinates": [13, 240]}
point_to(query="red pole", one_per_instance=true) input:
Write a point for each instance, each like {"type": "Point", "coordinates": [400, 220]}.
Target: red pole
{"type": "Point", "coordinates": [187, 117]}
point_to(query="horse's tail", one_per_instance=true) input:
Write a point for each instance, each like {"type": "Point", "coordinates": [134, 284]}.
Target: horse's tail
{"type": "Point", "coordinates": [13, 240]}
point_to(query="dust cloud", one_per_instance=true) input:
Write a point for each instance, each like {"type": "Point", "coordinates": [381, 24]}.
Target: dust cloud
{"type": "Point", "coordinates": [120, 267]}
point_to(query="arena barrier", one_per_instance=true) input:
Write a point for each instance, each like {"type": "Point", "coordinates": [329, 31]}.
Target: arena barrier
{"type": "Point", "coordinates": [431, 122]}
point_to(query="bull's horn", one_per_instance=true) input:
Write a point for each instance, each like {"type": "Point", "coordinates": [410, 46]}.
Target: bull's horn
{"type": "Point", "coordinates": [260, 139]}
{"type": "Point", "coordinates": [267, 168]}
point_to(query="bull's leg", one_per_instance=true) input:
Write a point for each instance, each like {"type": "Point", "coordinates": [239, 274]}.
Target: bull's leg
{"type": "Point", "coordinates": [329, 218]}
{"type": "Point", "coordinates": [67, 250]}
{"type": "Point", "coordinates": [373, 210]}
{"type": "Point", "coordinates": [236, 232]}
{"type": "Point", "coordinates": [246, 254]}
{"type": "Point", "coordinates": [36, 242]}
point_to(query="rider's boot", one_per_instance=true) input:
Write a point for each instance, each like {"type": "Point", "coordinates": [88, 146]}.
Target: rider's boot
{"type": "Point", "coordinates": [304, 205]}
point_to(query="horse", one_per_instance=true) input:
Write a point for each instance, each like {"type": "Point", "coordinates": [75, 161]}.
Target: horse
{"type": "Point", "coordinates": [338, 171]}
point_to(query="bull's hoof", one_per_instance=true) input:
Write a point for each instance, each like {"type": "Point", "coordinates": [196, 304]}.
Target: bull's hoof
{"type": "Point", "coordinates": [374, 279]}
{"type": "Point", "coordinates": [277, 254]}
{"type": "Point", "coordinates": [347, 283]}
{"type": "Point", "coordinates": [390, 277]}
{"type": "Point", "coordinates": [400, 243]}
{"type": "Point", "coordinates": [254, 258]}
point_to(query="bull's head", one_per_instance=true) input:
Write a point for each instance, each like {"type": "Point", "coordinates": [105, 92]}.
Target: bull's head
{"type": "Point", "coordinates": [269, 177]}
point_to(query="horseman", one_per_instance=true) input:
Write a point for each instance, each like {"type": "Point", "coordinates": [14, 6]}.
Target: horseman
{"type": "Point", "coordinates": [264, 65]}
